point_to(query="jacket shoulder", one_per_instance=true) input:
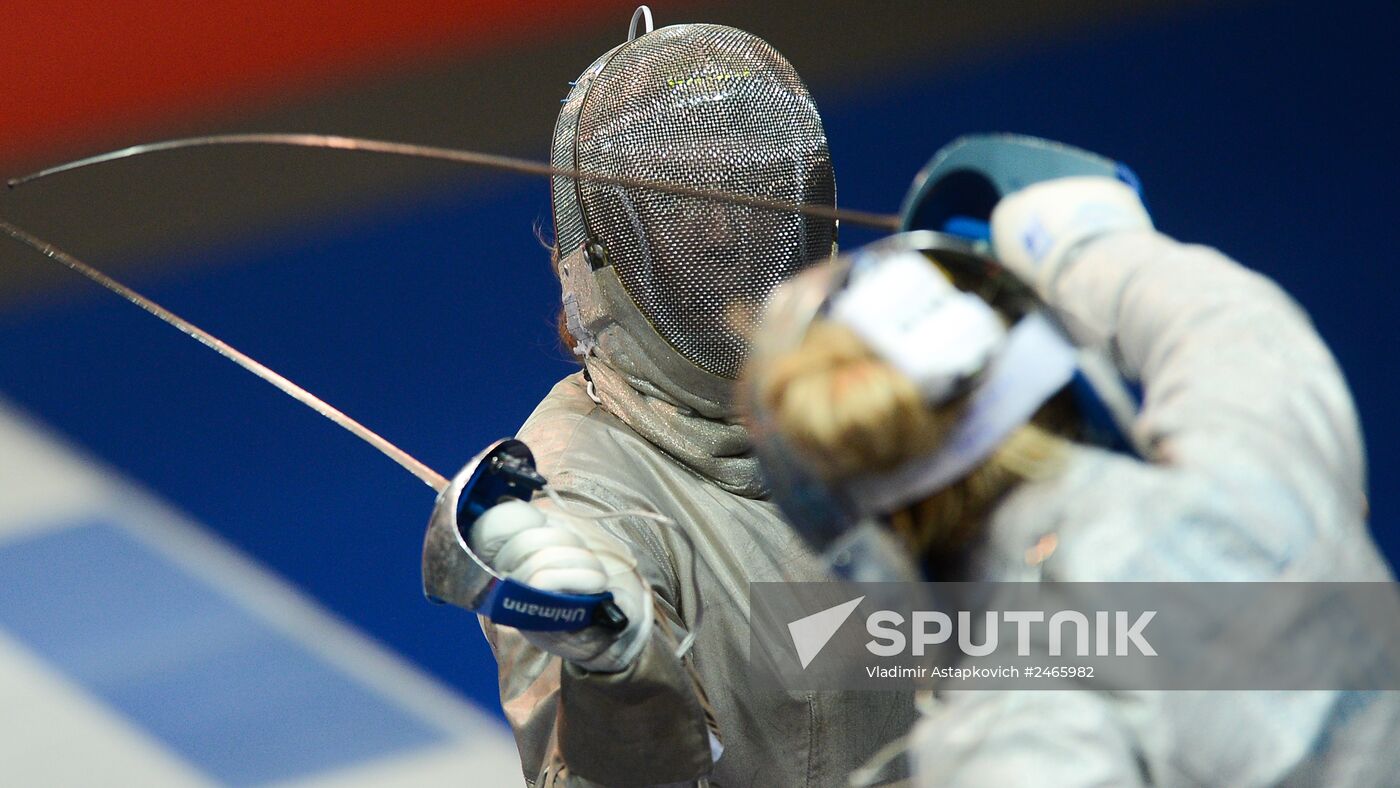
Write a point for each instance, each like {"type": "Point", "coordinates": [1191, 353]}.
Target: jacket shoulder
{"type": "Point", "coordinates": [571, 435]}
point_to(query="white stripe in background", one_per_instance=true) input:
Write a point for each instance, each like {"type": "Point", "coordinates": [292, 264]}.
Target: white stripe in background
{"type": "Point", "coordinates": [42, 483]}
{"type": "Point", "coordinates": [53, 734]}
{"type": "Point", "coordinates": [56, 730]}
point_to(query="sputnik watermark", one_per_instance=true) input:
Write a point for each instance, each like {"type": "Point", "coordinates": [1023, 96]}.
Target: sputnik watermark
{"type": "Point", "coordinates": [1097, 636]}
{"type": "Point", "coordinates": [925, 672]}
{"type": "Point", "coordinates": [810, 634]}
{"type": "Point", "coordinates": [1111, 633]}
{"type": "Point", "coordinates": [889, 639]}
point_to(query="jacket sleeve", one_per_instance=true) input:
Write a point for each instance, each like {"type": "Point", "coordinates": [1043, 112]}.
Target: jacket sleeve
{"type": "Point", "coordinates": [645, 725]}
{"type": "Point", "coordinates": [1256, 468]}
{"type": "Point", "coordinates": [1049, 738]}
{"type": "Point", "coordinates": [1236, 382]}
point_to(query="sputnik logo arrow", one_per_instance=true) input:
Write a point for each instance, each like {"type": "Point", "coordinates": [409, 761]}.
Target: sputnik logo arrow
{"type": "Point", "coordinates": [811, 633]}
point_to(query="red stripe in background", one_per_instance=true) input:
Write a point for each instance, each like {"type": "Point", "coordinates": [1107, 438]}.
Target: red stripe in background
{"type": "Point", "coordinates": [79, 71]}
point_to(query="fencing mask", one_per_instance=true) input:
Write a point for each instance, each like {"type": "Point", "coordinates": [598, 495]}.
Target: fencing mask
{"type": "Point", "coordinates": [709, 107]}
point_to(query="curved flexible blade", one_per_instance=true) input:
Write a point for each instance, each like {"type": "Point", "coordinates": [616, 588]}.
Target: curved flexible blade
{"type": "Point", "coordinates": [469, 157]}
{"type": "Point", "coordinates": [429, 476]}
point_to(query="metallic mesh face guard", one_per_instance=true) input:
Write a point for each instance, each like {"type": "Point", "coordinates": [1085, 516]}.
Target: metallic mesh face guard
{"type": "Point", "coordinates": [709, 107]}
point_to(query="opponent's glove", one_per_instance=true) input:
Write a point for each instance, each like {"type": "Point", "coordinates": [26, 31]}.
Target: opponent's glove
{"type": "Point", "coordinates": [1037, 230]}
{"type": "Point", "coordinates": [557, 552]}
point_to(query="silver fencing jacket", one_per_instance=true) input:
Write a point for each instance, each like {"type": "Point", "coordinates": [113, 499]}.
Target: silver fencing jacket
{"type": "Point", "coordinates": [645, 725]}
{"type": "Point", "coordinates": [1255, 472]}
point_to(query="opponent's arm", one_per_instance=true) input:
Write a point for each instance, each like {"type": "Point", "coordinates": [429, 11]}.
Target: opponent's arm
{"type": "Point", "coordinates": [1051, 739]}
{"type": "Point", "coordinates": [1236, 381]}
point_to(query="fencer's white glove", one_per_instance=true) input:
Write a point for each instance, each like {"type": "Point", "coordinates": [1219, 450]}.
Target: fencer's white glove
{"type": "Point", "coordinates": [560, 552]}
{"type": "Point", "coordinates": [1039, 229]}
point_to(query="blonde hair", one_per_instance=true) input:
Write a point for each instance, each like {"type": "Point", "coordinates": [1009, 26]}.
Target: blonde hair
{"type": "Point", "coordinates": [849, 412]}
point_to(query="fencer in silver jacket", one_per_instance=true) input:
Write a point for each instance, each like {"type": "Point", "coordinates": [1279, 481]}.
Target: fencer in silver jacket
{"type": "Point", "coordinates": [659, 292]}
{"type": "Point", "coordinates": [645, 725]}
{"type": "Point", "coordinates": [1255, 471]}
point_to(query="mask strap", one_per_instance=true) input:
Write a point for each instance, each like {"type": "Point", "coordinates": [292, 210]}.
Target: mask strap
{"type": "Point", "coordinates": [586, 342]}
{"type": "Point", "coordinates": [1036, 362]}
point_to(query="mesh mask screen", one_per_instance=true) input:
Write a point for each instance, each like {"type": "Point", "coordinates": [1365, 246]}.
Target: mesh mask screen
{"type": "Point", "coordinates": [714, 108]}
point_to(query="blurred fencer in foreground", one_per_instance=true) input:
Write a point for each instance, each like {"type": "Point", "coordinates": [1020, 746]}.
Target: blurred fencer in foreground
{"type": "Point", "coordinates": [658, 293]}
{"type": "Point", "coordinates": [889, 402]}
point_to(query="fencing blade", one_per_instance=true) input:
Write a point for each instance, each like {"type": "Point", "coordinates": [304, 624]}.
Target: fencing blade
{"type": "Point", "coordinates": [429, 476]}
{"type": "Point", "coordinates": [492, 161]}
{"type": "Point", "coordinates": [356, 144]}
